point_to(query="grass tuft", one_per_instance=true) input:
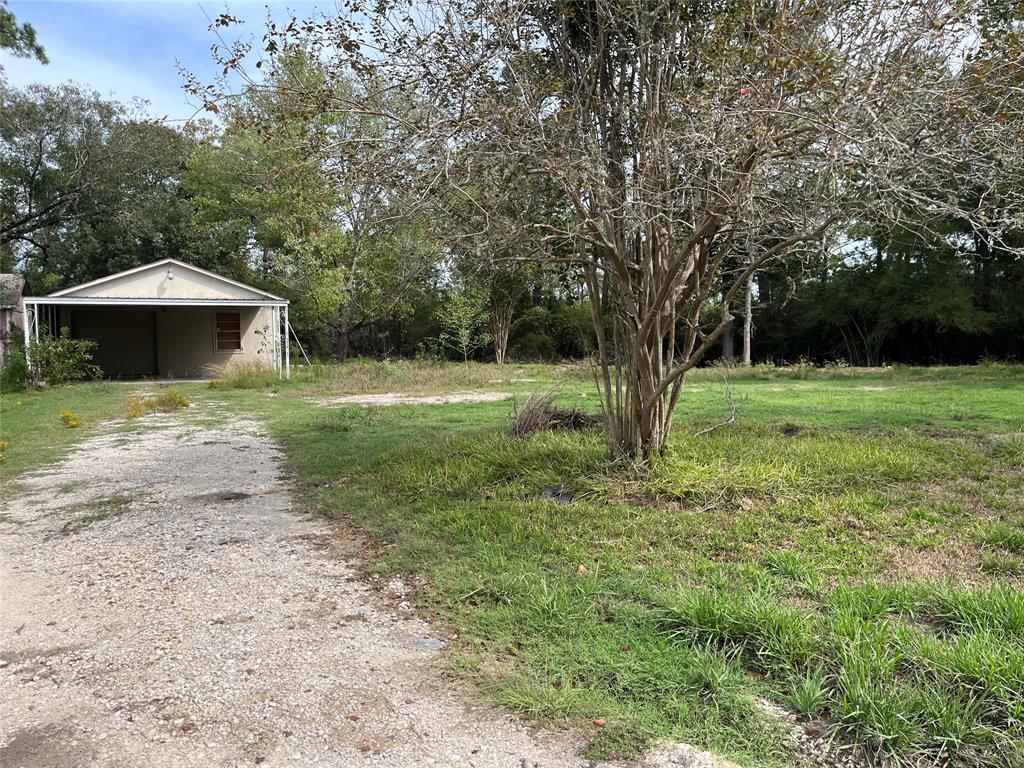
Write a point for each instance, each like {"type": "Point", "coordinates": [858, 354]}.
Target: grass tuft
{"type": "Point", "coordinates": [1006, 536]}
{"type": "Point", "coordinates": [242, 374]}
{"type": "Point", "coordinates": [164, 401]}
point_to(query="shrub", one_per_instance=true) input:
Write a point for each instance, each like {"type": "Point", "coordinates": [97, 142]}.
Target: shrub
{"type": "Point", "coordinates": [68, 419]}
{"type": "Point", "coordinates": [532, 346]}
{"type": "Point", "coordinates": [62, 359]}
{"type": "Point", "coordinates": [572, 330]}
{"type": "Point", "coordinates": [15, 376]}
{"type": "Point", "coordinates": [563, 331]}
{"type": "Point", "coordinates": [242, 374]}
{"type": "Point", "coordinates": [529, 337]}
{"type": "Point", "coordinates": [3, 450]}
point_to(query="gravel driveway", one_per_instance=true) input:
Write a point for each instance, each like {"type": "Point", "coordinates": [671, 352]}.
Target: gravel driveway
{"type": "Point", "coordinates": [164, 604]}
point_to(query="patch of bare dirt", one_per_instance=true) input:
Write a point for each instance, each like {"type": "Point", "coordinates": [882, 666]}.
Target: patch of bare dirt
{"type": "Point", "coordinates": [959, 561]}
{"type": "Point", "coordinates": [399, 398]}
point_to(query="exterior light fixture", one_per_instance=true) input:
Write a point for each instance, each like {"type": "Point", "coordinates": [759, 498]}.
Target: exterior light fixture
{"type": "Point", "coordinates": [170, 273]}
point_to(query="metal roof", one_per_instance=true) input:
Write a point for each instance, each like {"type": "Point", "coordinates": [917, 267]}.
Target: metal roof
{"type": "Point", "coordinates": [161, 263]}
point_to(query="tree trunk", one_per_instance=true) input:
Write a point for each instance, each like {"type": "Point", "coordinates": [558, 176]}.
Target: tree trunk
{"type": "Point", "coordinates": [501, 322]}
{"type": "Point", "coordinates": [748, 319]}
{"type": "Point", "coordinates": [341, 344]}
{"type": "Point", "coordinates": [343, 335]}
{"type": "Point", "coordinates": [729, 345]}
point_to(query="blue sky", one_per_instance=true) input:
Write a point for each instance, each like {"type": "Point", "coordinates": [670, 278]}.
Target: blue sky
{"type": "Point", "coordinates": [130, 49]}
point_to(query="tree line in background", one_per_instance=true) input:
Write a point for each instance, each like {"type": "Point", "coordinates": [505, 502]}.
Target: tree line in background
{"type": "Point", "coordinates": [658, 184]}
{"type": "Point", "coordinates": [91, 188]}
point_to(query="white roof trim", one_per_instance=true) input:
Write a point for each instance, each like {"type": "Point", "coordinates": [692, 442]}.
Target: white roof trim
{"type": "Point", "coordinates": [98, 301]}
{"type": "Point", "coordinates": [162, 262]}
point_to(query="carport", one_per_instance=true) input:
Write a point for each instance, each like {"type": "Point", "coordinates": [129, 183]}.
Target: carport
{"type": "Point", "coordinates": [167, 319]}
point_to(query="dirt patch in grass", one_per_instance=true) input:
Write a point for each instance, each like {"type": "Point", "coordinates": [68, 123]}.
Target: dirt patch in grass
{"type": "Point", "coordinates": [398, 398]}
{"type": "Point", "coordinates": [958, 560]}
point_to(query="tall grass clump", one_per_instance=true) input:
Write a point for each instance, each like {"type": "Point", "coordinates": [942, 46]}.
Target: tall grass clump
{"type": "Point", "coordinates": [243, 374]}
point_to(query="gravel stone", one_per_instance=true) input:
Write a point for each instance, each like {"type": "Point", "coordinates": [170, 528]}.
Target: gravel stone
{"type": "Point", "coordinates": [165, 604]}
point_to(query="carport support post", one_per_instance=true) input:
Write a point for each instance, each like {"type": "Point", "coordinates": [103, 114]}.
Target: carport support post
{"type": "Point", "coordinates": [287, 346]}
{"type": "Point", "coordinates": [276, 336]}
{"type": "Point", "coordinates": [26, 322]}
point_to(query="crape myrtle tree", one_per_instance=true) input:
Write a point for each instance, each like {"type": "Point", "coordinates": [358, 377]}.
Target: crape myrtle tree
{"type": "Point", "coordinates": [668, 127]}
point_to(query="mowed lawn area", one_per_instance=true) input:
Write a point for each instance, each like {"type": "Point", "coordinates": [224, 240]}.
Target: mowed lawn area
{"type": "Point", "coordinates": [848, 550]}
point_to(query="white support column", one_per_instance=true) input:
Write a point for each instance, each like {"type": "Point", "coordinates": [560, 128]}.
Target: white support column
{"type": "Point", "coordinates": [278, 365]}
{"type": "Point", "coordinates": [287, 346]}
{"type": "Point", "coordinates": [26, 324]}
{"type": "Point", "coordinates": [280, 349]}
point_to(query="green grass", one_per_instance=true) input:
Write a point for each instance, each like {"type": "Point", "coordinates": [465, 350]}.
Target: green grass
{"type": "Point", "coordinates": [30, 421]}
{"type": "Point", "coordinates": [848, 549]}
{"type": "Point", "coordinates": [842, 550]}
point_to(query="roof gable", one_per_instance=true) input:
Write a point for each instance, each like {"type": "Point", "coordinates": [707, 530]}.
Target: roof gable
{"type": "Point", "coordinates": [166, 279]}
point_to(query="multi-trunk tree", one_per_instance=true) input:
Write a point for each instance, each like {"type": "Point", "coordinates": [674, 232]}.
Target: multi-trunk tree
{"type": "Point", "coordinates": [669, 129]}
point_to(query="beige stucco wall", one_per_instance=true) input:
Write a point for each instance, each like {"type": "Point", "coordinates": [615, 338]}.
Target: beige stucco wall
{"type": "Point", "coordinates": [153, 283]}
{"type": "Point", "coordinates": [186, 340]}
{"type": "Point", "coordinates": [179, 341]}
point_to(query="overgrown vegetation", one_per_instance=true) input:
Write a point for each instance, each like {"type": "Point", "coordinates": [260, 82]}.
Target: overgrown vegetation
{"type": "Point", "coordinates": [57, 360]}
{"type": "Point", "coordinates": [14, 376]}
{"type": "Point", "coordinates": [243, 374]}
{"type": "Point", "coordinates": [830, 551]}
{"type": "Point", "coordinates": [363, 375]}
{"type": "Point", "coordinates": [165, 401]}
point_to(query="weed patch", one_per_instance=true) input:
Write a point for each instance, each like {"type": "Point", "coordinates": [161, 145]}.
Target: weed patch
{"type": "Point", "coordinates": [165, 401]}
{"type": "Point", "coordinates": [69, 420]}
{"type": "Point", "coordinates": [83, 515]}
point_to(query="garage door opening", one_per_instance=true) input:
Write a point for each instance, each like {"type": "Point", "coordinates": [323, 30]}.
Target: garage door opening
{"type": "Point", "coordinates": [126, 340]}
